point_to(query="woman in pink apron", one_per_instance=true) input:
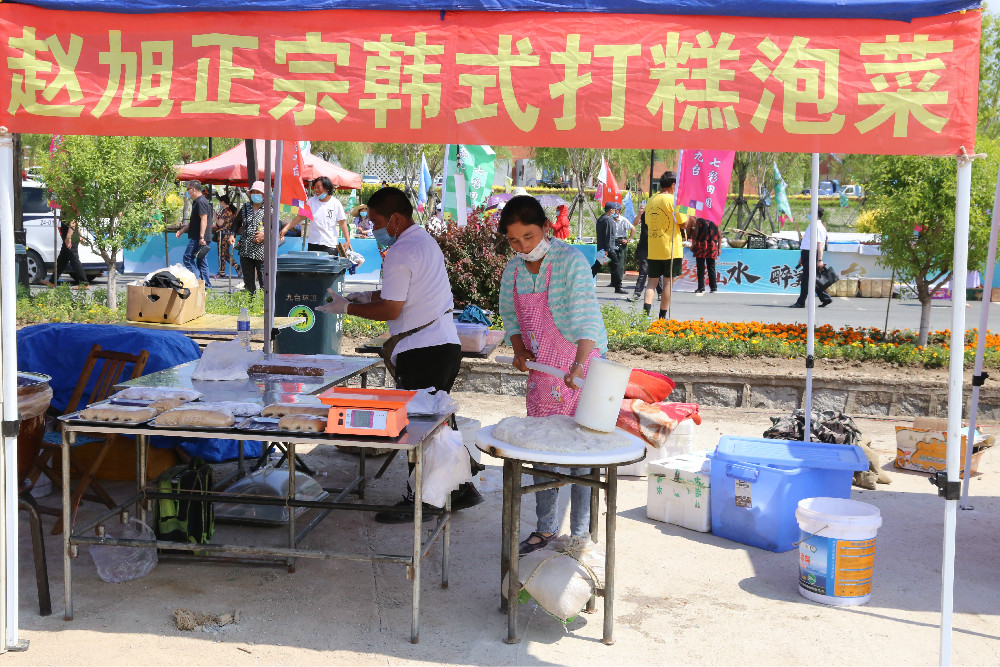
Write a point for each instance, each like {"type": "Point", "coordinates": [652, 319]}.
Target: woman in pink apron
{"type": "Point", "coordinates": [550, 311]}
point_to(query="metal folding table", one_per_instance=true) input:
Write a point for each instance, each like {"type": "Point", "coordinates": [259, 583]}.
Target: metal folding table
{"type": "Point", "coordinates": [514, 464]}
{"type": "Point", "coordinates": [413, 439]}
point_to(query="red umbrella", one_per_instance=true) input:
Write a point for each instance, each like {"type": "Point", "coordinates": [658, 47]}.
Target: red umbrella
{"type": "Point", "coordinates": [230, 168]}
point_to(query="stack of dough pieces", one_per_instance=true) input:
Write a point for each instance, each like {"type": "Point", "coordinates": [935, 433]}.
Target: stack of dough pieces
{"type": "Point", "coordinates": [211, 417]}
{"type": "Point", "coordinates": [121, 414]}
{"type": "Point", "coordinates": [283, 409]}
{"type": "Point", "coordinates": [302, 423]}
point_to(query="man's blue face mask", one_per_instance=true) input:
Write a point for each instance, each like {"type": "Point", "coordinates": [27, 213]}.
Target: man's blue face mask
{"type": "Point", "coordinates": [383, 238]}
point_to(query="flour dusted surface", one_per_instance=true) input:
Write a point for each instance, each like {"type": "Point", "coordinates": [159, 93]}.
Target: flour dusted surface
{"type": "Point", "coordinates": [557, 433]}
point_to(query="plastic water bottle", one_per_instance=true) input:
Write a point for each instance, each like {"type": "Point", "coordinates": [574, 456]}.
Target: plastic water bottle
{"type": "Point", "coordinates": [243, 328]}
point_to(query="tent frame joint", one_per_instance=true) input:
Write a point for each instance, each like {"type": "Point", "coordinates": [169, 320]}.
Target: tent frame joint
{"type": "Point", "coordinates": [979, 379]}
{"type": "Point", "coordinates": [10, 428]}
{"type": "Point", "coordinates": [810, 361]}
{"type": "Point", "coordinates": [947, 490]}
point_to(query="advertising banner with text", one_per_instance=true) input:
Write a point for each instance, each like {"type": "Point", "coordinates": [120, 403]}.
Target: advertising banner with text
{"type": "Point", "coordinates": [498, 78]}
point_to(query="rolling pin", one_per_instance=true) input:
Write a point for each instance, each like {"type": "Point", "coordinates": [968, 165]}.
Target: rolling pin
{"type": "Point", "coordinates": [542, 368]}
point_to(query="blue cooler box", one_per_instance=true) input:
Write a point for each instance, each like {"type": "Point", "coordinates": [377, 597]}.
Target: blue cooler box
{"type": "Point", "coordinates": [757, 483]}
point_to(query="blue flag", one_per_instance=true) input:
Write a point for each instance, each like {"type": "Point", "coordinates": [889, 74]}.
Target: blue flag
{"type": "Point", "coordinates": [425, 183]}
{"type": "Point", "coordinates": [628, 210]}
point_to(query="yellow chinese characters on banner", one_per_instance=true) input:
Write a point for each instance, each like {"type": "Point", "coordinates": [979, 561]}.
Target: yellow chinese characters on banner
{"type": "Point", "coordinates": [587, 80]}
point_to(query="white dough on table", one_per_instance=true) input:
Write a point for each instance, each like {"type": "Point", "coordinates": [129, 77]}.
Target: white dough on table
{"type": "Point", "coordinates": [557, 433]}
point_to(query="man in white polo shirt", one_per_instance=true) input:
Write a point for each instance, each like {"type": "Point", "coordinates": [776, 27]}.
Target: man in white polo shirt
{"type": "Point", "coordinates": [804, 246]}
{"type": "Point", "coordinates": [423, 349]}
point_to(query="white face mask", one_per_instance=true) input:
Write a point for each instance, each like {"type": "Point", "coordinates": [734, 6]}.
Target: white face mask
{"type": "Point", "coordinates": [537, 252]}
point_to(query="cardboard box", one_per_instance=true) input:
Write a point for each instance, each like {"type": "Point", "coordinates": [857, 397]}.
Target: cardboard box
{"type": "Point", "coordinates": [924, 450]}
{"type": "Point", "coordinates": [164, 305]}
{"type": "Point", "coordinates": [875, 288]}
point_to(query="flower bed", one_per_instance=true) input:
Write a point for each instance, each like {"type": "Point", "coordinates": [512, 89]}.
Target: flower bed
{"type": "Point", "coordinates": [632, 331]}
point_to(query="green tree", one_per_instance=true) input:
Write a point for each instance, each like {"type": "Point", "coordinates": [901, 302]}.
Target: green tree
{"type": "Point", "coordinates": [195, 149]}
{"type": "Point", "coordinates": [349, 154]}
{"type": "Point", "coordinates": [989, 76]}
{"type": "Point", "coordinates": [913, 210]}
{"type": "Point", "coordinates": [112, 187]}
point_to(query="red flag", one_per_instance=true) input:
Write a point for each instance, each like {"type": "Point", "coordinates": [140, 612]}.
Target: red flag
{"type": "Point", "coordinates": [293, 193]}
{"type": "Point", "coordinates": [611, 191]}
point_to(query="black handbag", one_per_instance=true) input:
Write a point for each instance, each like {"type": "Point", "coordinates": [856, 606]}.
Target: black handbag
{"type": "Point", "coordinates": [826, 277]}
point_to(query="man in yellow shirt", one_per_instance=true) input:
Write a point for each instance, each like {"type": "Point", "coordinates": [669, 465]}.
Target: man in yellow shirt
{"type": "Point", "coordinates": [666, 250]}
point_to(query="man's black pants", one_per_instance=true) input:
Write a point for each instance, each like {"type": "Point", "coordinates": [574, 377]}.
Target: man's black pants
{"type": "Point", "coordinates": [426, 367]}
{"type": "Point", "coordinates": [804, 281]}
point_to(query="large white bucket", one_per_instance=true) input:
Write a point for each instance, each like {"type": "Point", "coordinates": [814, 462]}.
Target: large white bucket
{"type": "Point", "coordinates": [601, 398]}
{"type": "Point", "coordinates": [837, 550]}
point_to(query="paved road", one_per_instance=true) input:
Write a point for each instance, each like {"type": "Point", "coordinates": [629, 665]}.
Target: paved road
{"type": "Point", "coordinates": [737, 307]}
{"type": "Point", "coordinates": [733, 307]}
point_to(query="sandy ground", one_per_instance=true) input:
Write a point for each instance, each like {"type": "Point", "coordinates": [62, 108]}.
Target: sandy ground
{"type": "Point", "coordinates": [682, 597]}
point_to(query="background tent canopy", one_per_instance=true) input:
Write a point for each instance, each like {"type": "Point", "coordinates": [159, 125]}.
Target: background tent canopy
{"type": "Point", "coordinates": [900, 10]}
{"type": "Point", "coordinates": [230, 168]}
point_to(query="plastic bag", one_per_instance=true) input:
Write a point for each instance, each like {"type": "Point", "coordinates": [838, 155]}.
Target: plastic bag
{"type": "Point", "coordinates": [225, 360]}
{"type": "Point", "coordinates": [446, 466]}
{"type": "Point", "coordinates": [602, 257]}
{"type": "Point", "coordinates": [117, 564]}
{"type": "Point", "coordinates": [431, 402]}
{"type": "Point", "coordinates": [562, 576]}
{"type": "Point", "coordinates": [356, 259]}
{"type": "Point", "coordinates": [179, 271]}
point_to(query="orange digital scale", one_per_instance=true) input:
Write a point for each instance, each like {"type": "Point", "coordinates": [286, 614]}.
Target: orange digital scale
{"type": "Point", "coordinates": [373, 412]}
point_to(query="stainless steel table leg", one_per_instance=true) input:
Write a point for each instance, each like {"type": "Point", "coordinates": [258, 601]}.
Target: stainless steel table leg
{"type": "Point", "coordinates": [361, 474]}
{"type": "Point", "coordinates": [513, 583]}
{"type": "Point", "coordinates": [68, 440]}
{"type": "Point", "coordinates": [364, 380]}
{"type": "Point", "coordinates": [142, 466]}
{"type": "Point", "coordinates": [505, 532]}
{"type": "Point", "coordinates": [418, 517]}
{"type": "Point", "coordinates": [447, 542]}
{"type": "Point", "coordinates": [595, 523]}
{"type": "Point", "coordinates": [609, 557]}
{"type": "Point", "coordinates": [291, 495]}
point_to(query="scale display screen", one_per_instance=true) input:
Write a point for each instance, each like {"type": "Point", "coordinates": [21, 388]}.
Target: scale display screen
{"type": "Point", "coordinates": [362, 418]}
{"type": "Point", "coordinates": [374, 420]}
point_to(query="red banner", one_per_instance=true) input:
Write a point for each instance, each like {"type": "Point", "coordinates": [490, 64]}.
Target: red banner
{"type": "Point", "coordinates": [511, 79]}
{"type": "Point", "coordinates": [702, 183]}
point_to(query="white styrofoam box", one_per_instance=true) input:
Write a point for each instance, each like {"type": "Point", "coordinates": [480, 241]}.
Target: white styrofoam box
{"type": "Point", "coordinates": [680, 441]}
{"type": "Point", "coordinates": [678, 491]}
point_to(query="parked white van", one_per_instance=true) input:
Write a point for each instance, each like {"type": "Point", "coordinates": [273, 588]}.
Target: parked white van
{"type": "Point", "coordinates": [38, 222]}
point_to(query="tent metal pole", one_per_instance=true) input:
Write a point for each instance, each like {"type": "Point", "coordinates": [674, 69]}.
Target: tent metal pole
{"type": "Point", "coordinates": [809, 273]}
{"type": "Point", "coordinates": [955, 366]}
{"type": "Point", "coordinates": [270, 247]}
{"type": "Point", "coordinates": [271, 271]}
{"type": "Point", "coordinates": [977, 375]}
{"type": "Point", "coordinates": [9, 619]}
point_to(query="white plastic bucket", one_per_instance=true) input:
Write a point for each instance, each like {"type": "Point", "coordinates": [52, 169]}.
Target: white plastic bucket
{"type": "Point", "coordinates": [601, 398]}
{"type": "Point", "coordinates": [837, 550]}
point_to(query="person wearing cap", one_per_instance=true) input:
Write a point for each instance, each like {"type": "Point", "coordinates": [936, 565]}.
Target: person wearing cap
{"type": "Point", "coordinates": [328, 219]}
{"type": "Point", "coordinates": [199, 231]}
{"type": "Point", "coordinates": [361, 221]}
{"type": "Point", "coordinates": [423, 349]}
{"type": "Point", "coordinates": [250, 222]}
{"type": "Point", "coordinates": [666, 249]}
{"type": "Point", "coordinates": [606, 242]}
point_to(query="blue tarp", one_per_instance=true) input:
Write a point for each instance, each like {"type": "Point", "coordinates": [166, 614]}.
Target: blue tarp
{"type": "Point", "coordinates": [900, 10]}
{"type": "Point", "coordinates": [58, 350]}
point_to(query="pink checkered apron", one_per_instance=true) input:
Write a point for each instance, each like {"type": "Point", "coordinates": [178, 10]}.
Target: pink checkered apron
{"type": "Point", "coordinates": [547, 395]}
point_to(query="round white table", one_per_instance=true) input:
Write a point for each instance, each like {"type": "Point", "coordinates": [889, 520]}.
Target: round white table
{"type": "Point", "coordinates": [514, 464]}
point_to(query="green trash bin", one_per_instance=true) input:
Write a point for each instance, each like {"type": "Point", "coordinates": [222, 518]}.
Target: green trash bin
{"type": "Point", "coordinates": [302, 279]}
{"type": "Point", "coordinates": [20, 257]}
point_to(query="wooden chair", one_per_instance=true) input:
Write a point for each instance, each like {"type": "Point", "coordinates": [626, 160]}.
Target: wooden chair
{"type": "Point", "coordinates": [110, 372]}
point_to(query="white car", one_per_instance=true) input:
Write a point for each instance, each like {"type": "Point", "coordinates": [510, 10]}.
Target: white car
{"type": "Point", "coordinates": [38, 223]}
